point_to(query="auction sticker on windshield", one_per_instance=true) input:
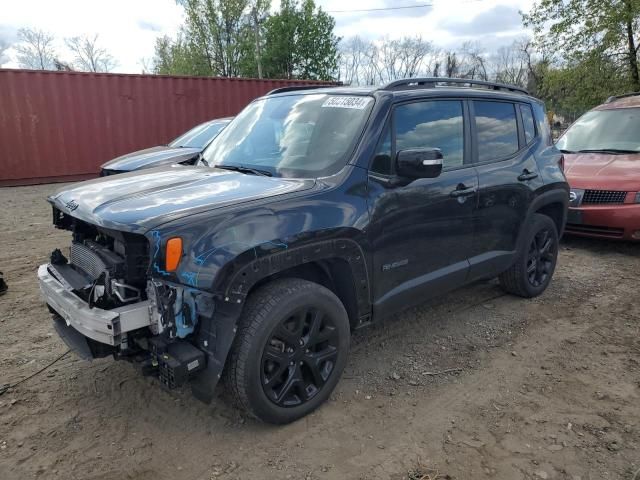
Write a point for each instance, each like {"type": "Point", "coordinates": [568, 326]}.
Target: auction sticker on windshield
{"type": "Point", "coordinates": [359, 103]}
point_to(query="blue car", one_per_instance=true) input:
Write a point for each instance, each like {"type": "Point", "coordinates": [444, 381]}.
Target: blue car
{"type": "Point", "coordinates": [185, 150]}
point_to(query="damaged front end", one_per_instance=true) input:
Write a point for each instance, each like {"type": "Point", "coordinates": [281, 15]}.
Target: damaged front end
{"type": "Point", "coordinates": [108, 299]}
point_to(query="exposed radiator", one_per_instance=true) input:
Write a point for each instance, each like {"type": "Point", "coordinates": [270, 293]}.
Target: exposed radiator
{"type": "Point", "coordinates": [86, 258]}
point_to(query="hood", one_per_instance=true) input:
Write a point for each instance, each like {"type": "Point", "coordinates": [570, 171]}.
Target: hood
{"type": "Point", "coordinates": [139, 201]}
{"type": "Point", "coordinates": [603, 171]}
{"type": "Point", "coordinates": [151, 157]}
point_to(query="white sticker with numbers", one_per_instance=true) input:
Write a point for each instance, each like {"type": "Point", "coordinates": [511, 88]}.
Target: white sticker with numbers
{"type": "Point", "coordinates": [358, 103]}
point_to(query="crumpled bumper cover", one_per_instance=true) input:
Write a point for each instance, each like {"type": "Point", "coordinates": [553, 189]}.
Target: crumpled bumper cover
{"type": "Point", "coordinates": [104, 326]}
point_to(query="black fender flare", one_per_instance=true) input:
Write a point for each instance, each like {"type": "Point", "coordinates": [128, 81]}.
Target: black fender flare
{"type": "Point", "coordinates": [557, 195]}
{"type": "Point", "coordinates": [244, 278]}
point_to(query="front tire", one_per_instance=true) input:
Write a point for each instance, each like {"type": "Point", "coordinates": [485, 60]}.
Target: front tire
{"type": "Point", "coordinates": [532, 271]}
{"type": "Point", "coordinates": [290, 350]}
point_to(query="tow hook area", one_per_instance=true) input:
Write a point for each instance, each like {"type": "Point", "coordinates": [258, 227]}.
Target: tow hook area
{"type": "Point", "coordinates": [174, 309]}
{"type": "Point", "coordinates": [174, 312]}
{"type": "Point", "coordinates": [175, 362]}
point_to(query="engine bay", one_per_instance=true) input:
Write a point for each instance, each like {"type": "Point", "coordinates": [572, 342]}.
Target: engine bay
{"type": "Point", "coordinates": [109, 270]}
{"type": "Point", "coordinates": [113, 263]}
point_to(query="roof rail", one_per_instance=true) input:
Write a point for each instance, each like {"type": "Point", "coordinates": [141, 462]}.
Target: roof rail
{"type": "Point", "coordinates": [293, 88]}
{"type": "Point", "coordinates": [431, 82]}
{"type": "Point", "coordinates": [613, 98]}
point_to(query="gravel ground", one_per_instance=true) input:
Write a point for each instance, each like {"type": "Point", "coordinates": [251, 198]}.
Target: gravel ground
{"type": "Point", "coordinates": [475, 385]}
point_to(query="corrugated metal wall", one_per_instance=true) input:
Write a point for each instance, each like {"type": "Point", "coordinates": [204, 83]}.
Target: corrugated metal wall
{"type": "Point", "coordinates": [59, 126]}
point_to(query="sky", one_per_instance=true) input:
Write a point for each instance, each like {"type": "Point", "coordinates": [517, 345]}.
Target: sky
{"type": "Point", "coordinates": [127, 29]}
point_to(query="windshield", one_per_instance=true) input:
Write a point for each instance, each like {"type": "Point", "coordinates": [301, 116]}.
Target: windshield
{"type": "Point", "coordinates": [199, 136]}
{"type": "Point", "coordinates": [616, 130]}
{"type": "Point", "coordinates": [298, 136]}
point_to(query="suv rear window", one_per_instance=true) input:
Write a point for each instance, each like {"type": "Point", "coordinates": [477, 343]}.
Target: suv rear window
{"type": "Point", "coordinates": [497, 130]}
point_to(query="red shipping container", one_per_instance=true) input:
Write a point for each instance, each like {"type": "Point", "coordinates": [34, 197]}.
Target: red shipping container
{"type": "Point", "coordinates": [61, 126]}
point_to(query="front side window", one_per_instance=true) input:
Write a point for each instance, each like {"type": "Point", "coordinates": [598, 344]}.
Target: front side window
{"type": "Point", "coordinates": [497, 130]}
{"type": "Point", "coordinates": [301, 136]}
{"type": "Point", "coordinates": [617, 131]}
{"type": "Point", "coordinates": [382, 160]}
{"type": "Point", "coordinates": [432, 124]}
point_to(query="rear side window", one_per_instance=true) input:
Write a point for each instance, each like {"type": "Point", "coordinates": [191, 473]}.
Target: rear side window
{"type": "Point", "coordinates": [528, 123]}
{"type": "Point", "coordinates": [497, 130]}
{"type": "Point", "coordinates": [432, 124]}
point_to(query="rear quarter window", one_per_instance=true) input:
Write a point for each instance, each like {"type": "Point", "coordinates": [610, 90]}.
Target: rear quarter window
{"type": "Point", "coordinates": [543, 122]}
{"type": "Point", "coordinates": [497, 130]}
{"type": "Point", "coordinates": [528, 123]}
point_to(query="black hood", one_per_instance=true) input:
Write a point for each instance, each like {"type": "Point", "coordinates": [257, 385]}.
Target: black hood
{"type": "Point", "coordinates": [140, 201]}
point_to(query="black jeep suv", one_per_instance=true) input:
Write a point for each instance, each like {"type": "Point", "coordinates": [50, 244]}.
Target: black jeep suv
{"type": "Point", "coordinates": [314, 213]}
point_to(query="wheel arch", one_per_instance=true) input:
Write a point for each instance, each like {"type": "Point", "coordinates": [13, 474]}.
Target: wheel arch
{"type": "Point", "coordinates": [338, 265]}
{"type": "Point", "coordinates": [557, 212]}
{"type": "Point", "coordinates": [553, 204]}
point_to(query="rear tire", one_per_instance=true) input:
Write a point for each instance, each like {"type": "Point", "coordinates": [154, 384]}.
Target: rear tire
{"type": "Point", "coordinates": [290, 350]}
{"type": "Point", "coordinates": [532, 271]}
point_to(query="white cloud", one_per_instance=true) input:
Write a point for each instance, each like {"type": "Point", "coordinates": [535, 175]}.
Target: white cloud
{"type": "Point", "coordinates": [440, 23]}
{"type": "Point", "coordinates": [128, 28]}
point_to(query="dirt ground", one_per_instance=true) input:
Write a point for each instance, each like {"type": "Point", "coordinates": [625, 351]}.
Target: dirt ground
{"type": "Point", "coordinates": [474, 385]}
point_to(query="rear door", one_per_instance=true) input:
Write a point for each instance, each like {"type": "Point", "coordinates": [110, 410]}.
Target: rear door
{"type": "Point", "coordinates": [505, 138]}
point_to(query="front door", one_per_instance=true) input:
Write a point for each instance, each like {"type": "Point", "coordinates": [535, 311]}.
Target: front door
{"type": "Point", "coordinates": [421, 230]}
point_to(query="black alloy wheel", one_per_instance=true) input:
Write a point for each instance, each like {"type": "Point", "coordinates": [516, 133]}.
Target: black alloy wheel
{"type": "Point", "coordinates": [533, 267]}
{"type": "Point", "coordinates": [290, 349]}
{"type": "Point", "coordinates": [541, 258]}
{"type": "Point", "coordinates": [299, 357]}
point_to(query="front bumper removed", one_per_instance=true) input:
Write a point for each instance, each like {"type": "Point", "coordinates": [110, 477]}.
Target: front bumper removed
{"type": "Point", "coordinates": [108, 327]}
{"type": "Point", "coordinates": [94, 332]}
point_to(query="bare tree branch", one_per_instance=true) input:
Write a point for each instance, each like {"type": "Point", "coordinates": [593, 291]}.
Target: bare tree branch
{"type": "Point", "coordinates": [367, 63]}
{"type": "Point", "coordinates": [35, 49]}
{"type": "Point", "coordinates": [88, 56]}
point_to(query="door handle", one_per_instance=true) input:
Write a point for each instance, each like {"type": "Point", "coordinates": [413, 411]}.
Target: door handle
{"type": "Point", "coordinates": [527, 175]}
{"type": "Point", "coordinates": [463, 191]}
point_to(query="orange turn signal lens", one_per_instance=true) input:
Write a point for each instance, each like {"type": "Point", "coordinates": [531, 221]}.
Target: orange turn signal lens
{"type": "Point", "coordinates": [173, 254]}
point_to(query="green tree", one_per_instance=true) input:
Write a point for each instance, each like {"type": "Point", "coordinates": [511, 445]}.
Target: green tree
{"type": "Point", "coordinates": [253, 44]}
{"type": "Point", "coordinates": [177, 57]}
{"type": "Point", "coordinates": [579, 27]}
{"type": "Point", "coordinates": [219, 38]}
{"type": "Point", "coordinates": [217, 30]}
{"type": "Point", "coordinates": [580, 84]}
{"type": "Point", "coordinates": [300, 43]}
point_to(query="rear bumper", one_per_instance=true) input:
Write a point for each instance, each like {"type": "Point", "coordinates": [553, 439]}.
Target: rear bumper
{"type": "Point", "coordinates": [618, 222]}
{"type": "Point", "coordinates": [105, 326]}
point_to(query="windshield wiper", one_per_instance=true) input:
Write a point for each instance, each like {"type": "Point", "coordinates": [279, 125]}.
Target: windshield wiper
{"type": "Point", "coordinates": [201, 159]}
{"type": "Point", "coordinates": [607, 150]}
{"type": "Point", "coordinates": [243, 169]}
{"type": "Point", "coordinates": [566, 151]}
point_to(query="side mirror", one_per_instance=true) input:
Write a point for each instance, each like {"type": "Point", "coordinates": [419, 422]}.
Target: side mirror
{"type": "Point", "coordinates": [419, 163]}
